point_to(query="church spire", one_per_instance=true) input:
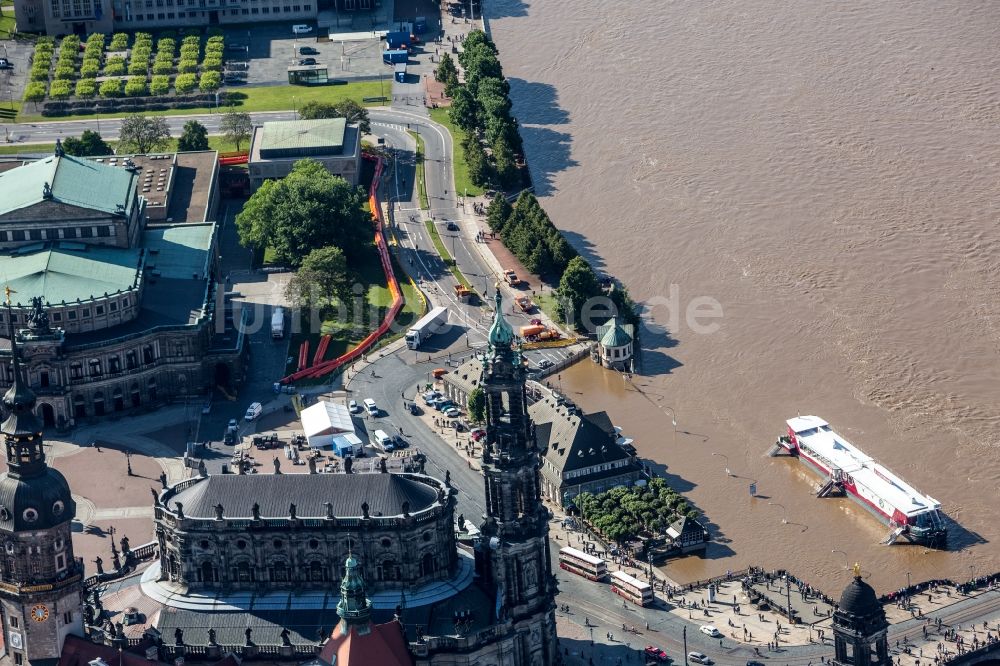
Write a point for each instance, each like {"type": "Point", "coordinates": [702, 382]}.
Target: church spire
{"type": "Point", "coordinates": [501, 334]}
{"type": "Point", "coordinates": [354, 607]}
{"type": "Point", "coordinates": [21, 430]}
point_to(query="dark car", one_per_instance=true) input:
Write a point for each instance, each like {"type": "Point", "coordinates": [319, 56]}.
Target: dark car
{"type": "Point", "coordinates": [415, 409]}
{"type": "Point", "coordinates": [754, 662]}
{"type": "Point", "coordinates": [307, 50]}
{"type": "Point", "coordinates": [307, 61]}
{"type": "Point", "coordinates": [6, 64]}
{"type": "Point", "coordinates": [452, 226]}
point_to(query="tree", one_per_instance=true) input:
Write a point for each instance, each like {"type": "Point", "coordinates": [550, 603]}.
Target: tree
{"type": "Point", "coordinates": [446, 71]}
{"type": "Point", "coordinates": [578, 284]}
{"type": "Point", "coordinates": [321, 279]}
{"type": "Point", "coordinates": [477, 405]}
{"type": "Point", "coordinates": [193, 137]}
{"type": "Point", "coordinates": [463, 109]}
{"type": "Point", "coordinates": [475, 158]}
{"type": "Point", "coordinates": [347, 109]}
{"type": "Point", "coordinates": [89, 144]}
{"type": "Point", "coordinates": [498, 213]}
{"type": "Point", "coordinates": [237, 127]}
{"type": "Point", "coordinates": [139, 134]}
{"type": "Point", "coordinates": [307, 209]}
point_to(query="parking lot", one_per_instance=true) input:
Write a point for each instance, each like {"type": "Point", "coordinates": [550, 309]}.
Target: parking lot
{"type": "Point", "coordinates": [12, 81]}
{"type": "Point", "coordinates": [270, 49]}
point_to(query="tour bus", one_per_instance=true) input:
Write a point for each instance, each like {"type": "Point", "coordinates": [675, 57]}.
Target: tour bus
{"type": "Point", "coordinates": [578, 562]}
{"type": "Point", "coordinates": [632, 589]}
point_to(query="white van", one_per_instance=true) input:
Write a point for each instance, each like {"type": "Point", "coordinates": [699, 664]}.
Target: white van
{"type": "Point", "coordinates": [381, 440]}
{"type": "Point", "coordinates": [371, 407]}
{"type": "Point", "coordinates": [301, 29]}
{"type": "Point", "coordinates": [253, 411]}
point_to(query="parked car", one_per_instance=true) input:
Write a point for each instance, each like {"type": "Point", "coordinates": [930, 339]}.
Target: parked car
{"type": "Point", "coordinates": [699, 658]}
{"type": "Point", "coordinates": [545, 364]}
{"type": "Point", "coordinates": [478, 434]}
{"type": "Point", "coordinates": [710, 630]}
{"type": "Point", "coordinates": [415, 409]}
{"type": "Point", "coordinates": [452, 225]}
{"type": "Point", "coordinates": [656, 653]}
{"type": "Point", "coordinates": [754, 662]}
{"type": "Point", "coordinates": [301, 29]}
{"type": "Point", "coordinates": [536, 322]}
{"type": "Point", "coordinates": [307, 50]}
{"type": "Point", "coordinates": [353, 407]}
{"type": "Point", "coordinates": [307, 61]}
{"type": "Point", "coordinates": [444, 405]}
{"type": "Point", "coordinates": [430, 396]}
{"type": "Point", "coordinates": [453, 412]}
{"type": "Point", "coordinates": [371, 407]}
{"type": "Point", "coordinates": [253, 411]}
{"type": "Point", "coordinates": [6, 64]}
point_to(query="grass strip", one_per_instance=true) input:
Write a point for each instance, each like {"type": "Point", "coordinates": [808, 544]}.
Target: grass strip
{"type": "Point", "coordinates": [218, 143]}
{"type": "Point", "coordinates": [421, 183]}
{"type": "Point", "coordinates": [463, 183]}
{"type": "Point", "coordinates": [445, 256]}
{"type": "Point", "coordinates": [262, 98]}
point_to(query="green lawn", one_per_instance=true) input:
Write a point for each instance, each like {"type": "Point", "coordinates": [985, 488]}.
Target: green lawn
{"type": "Point", "coordinates": [7, 20]}
{"type": "Point", "coordinates": [265, 98]}
{"type": "Point", "coordinates": [421, 184]}
{"type": "Point", "coordinates": [463, 183]}
{"type": "Point", "coordinates": [445, 256]}
{"type": "Point", "coordinates": [214, 142]}
{"type": "Point", "coordinates": [547, 303]}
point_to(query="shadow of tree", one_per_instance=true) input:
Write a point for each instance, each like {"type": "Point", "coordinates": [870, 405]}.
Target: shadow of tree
{"type": "Point", "coordinates": [549, 155]}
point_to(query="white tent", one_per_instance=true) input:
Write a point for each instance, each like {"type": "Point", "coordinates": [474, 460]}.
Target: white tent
{"type": "Point", "coordinates": [325, 421]}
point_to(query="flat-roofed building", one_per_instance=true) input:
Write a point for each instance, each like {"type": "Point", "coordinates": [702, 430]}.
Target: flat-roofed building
{"type": "Point", "coordinates": [277, 146]}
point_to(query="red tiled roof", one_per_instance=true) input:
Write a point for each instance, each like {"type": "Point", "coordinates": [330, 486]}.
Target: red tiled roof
{"type": "Point", "coordinates": [385, 646]}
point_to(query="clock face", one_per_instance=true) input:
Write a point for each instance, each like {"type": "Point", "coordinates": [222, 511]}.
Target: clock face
{"type": "Point", "coordinates": [39, 613]}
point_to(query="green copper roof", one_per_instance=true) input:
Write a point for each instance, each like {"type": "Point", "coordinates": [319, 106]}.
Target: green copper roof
{"type": "Point", "coordinates": [179, 251]}
{"type": "Point", "coordinates": [501, 334]}
{"type": "Point", "coordinates": [354, 606]}
{"type": "Point", "coordinates": [613, 334]}
{"type": "Point", "coordinates": [303, 134]}
{"type": "Point", "coordinates": [59, 275]}
{"type": "Point", "coordinates": [73, 181]}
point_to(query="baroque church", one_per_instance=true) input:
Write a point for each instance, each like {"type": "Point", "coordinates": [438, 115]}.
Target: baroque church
{"type": "Point", "coordinates": [317, 568]}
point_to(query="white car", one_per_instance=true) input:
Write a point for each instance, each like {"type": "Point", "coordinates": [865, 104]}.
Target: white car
{"type": "Point", "coordinates": [371, 407]}
{"type": "Point", "coordinates": [353, 407]}
{"type": "Point", "coordinates": [699, 658]}
{"type": "Point", "coordinates": [710, 630]}
{"type": "Point", "coordinates": [301, 29]}
{"type": "Point", "coordinates": [253, 411]}
{"type": "Point", "coordinates": [453, 413]}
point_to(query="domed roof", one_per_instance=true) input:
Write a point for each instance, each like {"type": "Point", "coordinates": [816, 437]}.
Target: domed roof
{"type": "Point", "coordinates": [35, 503]}
{"type": "Point", "coordinates": [501, 334]}
{"type": "Point", "coordinates": [859, 599]}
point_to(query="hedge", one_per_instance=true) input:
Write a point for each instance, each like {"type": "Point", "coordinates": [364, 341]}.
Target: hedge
{"type": "Point", "coordinates": [111, 88]}
{"type": "Point", "coordinates": [211, 62]}
{"type": "Point", "coordinates": [210, 81]}
{"type": "Point", "coordinates": [136, 86]}
{"type": "Point", "coordinates": [160, 67]}
{"type": "Point", "coordinates": [65, 73]}
{"type": "Point", "coordinates": [190, 52]}
{"type": "Point", "coordinates": [59, 90]}
{"type": "Point", "coordinates": [184, 83]}
{"type": "Point", "coordinates": [39, 74]}
{"type": "Point", "coordinates": [191, 39]}
{"type": "Point", "coordinates": [187, 66]}
{"type": "Point", "coordinates": [119, 42]}
{"type": "Point", "coordinates": [114, 67]}
{"type": "Point", "coordinates": [35, 91]}
{"type": "Point", "coordinates": [160, 85]}
{"type": "Point", "coordinates": [89, 71]}
{"type": "Point", "coordinates": [86, 88]}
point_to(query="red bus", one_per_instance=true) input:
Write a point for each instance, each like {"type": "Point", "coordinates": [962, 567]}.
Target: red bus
{"type": "Point", "coordinates": [578, 562]}
{"type": "Point", "coordinates": [632, 589]}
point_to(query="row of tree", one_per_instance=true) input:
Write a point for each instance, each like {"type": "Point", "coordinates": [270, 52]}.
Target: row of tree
{"type": "Point", "coordinates": [143, 134]}
{"type": "Point", "coordinates": [481, 108]}
{"type": "Point", "coordinates": [622, 514]}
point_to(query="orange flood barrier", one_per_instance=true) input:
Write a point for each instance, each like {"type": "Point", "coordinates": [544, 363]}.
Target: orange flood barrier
{"type": "Point", "coordinates": [326, 367]}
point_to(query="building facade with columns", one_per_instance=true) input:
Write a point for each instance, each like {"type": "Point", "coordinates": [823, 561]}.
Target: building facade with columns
{"type": "Point", "coordinates": [113, 314]}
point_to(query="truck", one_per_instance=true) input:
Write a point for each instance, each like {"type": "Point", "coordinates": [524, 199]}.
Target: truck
{"type": "Point", "coordinates": [429, 324]}
{"type": "Point", "coordinates": [524, 303]}
{"type": "Point", "coordinates": [531, 331]}
{"type": "Point", "coordinates": [511, 278]}
{"type": "Point", "coordinates": [463, 293]}
{"type": "Point", "coordinates": [278, 324]}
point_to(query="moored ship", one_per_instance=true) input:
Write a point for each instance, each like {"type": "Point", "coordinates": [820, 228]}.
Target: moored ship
{"type": "Point", "coordinates": [849, 470]}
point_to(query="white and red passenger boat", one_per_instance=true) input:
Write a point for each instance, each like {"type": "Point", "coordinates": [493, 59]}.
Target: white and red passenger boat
{"type": "Point", "coordinates": [844, 467]}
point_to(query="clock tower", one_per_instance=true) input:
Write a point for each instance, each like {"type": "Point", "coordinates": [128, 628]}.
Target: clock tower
{"type": "Point", "coordinates": [40, 580]}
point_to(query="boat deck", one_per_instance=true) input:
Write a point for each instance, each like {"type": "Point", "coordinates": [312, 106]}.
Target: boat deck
{"type": "Point", "coordinates": [816, 435]}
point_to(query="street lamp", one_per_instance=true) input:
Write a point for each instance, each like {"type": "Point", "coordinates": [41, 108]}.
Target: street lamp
{"type": "Point", "coordinates": [784, 512]}
{"type": "Point", "coordinates": [846, 565]}
{"type": "Point", "coordinates": [673, 419]}
{"type": "Point", "coordinates": [128, 461]}
{"type": "Point", "coordinates": [722, 455]}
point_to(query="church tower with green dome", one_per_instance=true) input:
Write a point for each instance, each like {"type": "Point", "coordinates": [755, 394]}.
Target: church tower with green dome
{"type": "Point", "coordinates": [513, 555]}
{"type": "Point", "coordinates": [40, 579]}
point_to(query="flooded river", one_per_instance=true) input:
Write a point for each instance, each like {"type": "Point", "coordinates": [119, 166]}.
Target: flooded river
{"type": "Point", "coordinates": [828, 173]}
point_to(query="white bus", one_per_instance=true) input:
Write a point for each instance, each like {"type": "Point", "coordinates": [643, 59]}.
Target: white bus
{"type": "Point", "coordinates": [632, 589]}
{"type": "Point", "coordinates": [578, 562]}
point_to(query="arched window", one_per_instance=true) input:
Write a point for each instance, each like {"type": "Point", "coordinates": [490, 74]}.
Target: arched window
{"type": "Point", "coordinates": [387, 570]}
{"type": "Point", "coordinates": [279, 572]}
{"type": "Point", "coordinates": [242, 573]}
{"type": "Point", "coordinates": [427, 564]}
{"type": "Point", "coordinates": [317, 572]}
{"type": "Point", "coordinates": [208, 573]}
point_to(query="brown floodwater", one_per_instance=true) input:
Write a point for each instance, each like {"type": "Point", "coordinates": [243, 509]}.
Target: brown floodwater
{"type": "Point", "coordinates": [828, 173]}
